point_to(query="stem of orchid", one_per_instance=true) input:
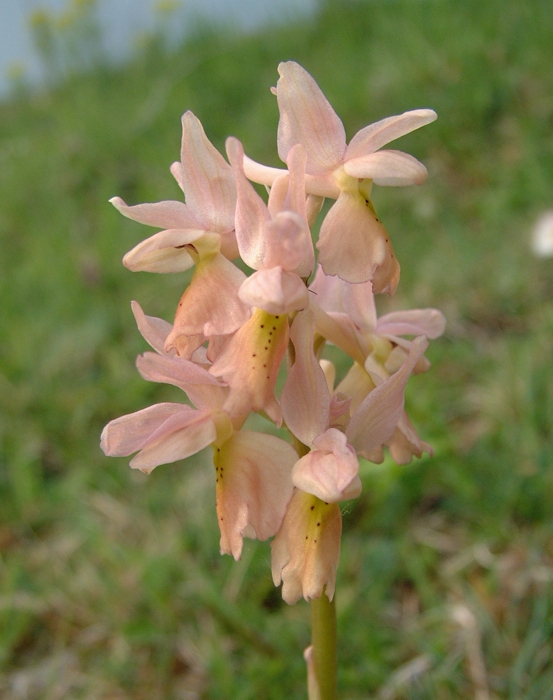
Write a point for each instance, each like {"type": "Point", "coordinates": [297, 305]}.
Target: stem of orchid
{"type": "Point", "coordinates": [323, 639]}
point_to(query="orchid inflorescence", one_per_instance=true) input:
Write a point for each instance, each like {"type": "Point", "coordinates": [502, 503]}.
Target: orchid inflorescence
{"type": "Point", "coordinates": [232, 332]}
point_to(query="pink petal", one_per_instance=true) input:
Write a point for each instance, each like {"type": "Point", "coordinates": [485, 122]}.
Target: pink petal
{"type": "Point", "coordinates": [389, 168]}
{"type": "Point", "coordinates": [153, 330]}
{"type": "Point", "coordinates": [164, 252]}
{"type": "Point", "coordinates": [207, 178]}
{"type": "Point", "coordinates": [329, 472]}
{"type": "Point", "coordinates": [276, 291]}
{"type": "Point", "coordinates": [249, 363]}
{"type": "Point", "coordinates": [376, 135]}
{"type": "Point", "coordinates": [305, 399]}
{"type": "Point", "coordinates": [319, 185]}
{"type": "Point", "coordinates": [169, 214]}
{"type": "Point", "coordinates": [355, 300]}
{"type": "Point", "coordinates": [163, 433]}
{"type": "Point", "coordinates": [306, 117]}
{"type": "Point", "coordinates": [177, 445]}
{"type": "Point", "coordinates": [406, 443]}
{"type": "Point", "coordinates": [202, 388]}
{"type": "Point", "coordinates": [251, 212]}
{"type": "Point", "coordinates": [210, 305]}
{"type": "Point", "coordinates": [377, 416]}
{"type": "Point", "coordinates": [176, 172]}
{"type": "Point", "coordinates": [306, 550]}
{"type": "Point", "coordinates": [263, 174]}
{"type": "Point", "coordinates": [339, 330]}
{"type": "Point", "coordinates": [354, 245]}
{"type": "Point", "coordinates": [428, 322]}
{"type": "Point", "coordinates": [253, 487]}
{"type": "Point", "coordinates": [289, 244]}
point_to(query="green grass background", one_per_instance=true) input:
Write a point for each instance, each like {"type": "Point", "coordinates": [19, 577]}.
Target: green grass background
{"type": "Point", "coordinates": [111, 583]}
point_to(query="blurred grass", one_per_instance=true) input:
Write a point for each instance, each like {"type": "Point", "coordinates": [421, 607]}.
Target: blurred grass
{"type": "Point", "coordinates": [111, 585]}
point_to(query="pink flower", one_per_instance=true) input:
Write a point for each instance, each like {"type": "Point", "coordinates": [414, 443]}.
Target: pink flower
{"type": "Point", "coordinates": [253, 470]}
{"type": "Point", "coordinates": [208, 183]}
{"type": "Point", "coordinates": [329, 470]}
{"type": "Point", "coordinates": [353, 244]}
{"type": "Point", "coordinates": [349, 320]}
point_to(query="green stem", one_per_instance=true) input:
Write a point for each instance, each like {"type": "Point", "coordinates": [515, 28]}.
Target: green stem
{"type": "Point", "coordinates": [323, 639]}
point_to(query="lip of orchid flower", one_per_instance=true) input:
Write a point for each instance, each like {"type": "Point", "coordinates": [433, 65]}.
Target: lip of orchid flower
{"type": "Point", "coordinates": [208, 183]}
{"type": "Point", "coordinates": [253, 487]}
{"type": "Point", "coordinates": [249, 364]}
{"type": "Point", "coordinates": [306, 550]}
{"type": "Point", "coordinates": [209, 307]}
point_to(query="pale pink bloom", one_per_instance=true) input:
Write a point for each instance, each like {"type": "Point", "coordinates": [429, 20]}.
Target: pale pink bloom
{"type": "Point", "coordinates": [169, 432]}
{"type": "Point", "coordinates": [350, 320]}
{"type": "Point", "coordinates": [208, 184]}
{"type": "Point", "coordinates": [377, 416]}
{"type": "Point", "coordinates": [346, 315]}
{"type": "Point", "coordinates": [274, 239]}
{"type": "Point", "coordinates": [353, 244]}
{"type": "Point", "coordinates": [306, 550]}
{"type": "Point", "coordinates": [330, 469]}
{"type": "Point", "coordinates": [253, 470]}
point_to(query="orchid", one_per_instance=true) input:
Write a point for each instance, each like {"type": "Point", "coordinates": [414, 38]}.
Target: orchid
{"type": "Point", "coordinates": [237, 322]}
{"type": "Point", "coordinates": [207, 182]}
{"type": "Point", "coordinates": [353, 243]}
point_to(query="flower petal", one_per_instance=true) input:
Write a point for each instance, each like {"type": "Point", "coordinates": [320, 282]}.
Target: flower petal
{"type": "Point", "coordinates": [202, 388]}
{"type": "Point", "coordinates": [207, 178]}
{"type": "Point", "coordinates": [153, 330]}
{"type": "Point", "coordinates": [164, 252]}
{"type": "Point", "coordinates": [376, 135]}
{"type": "Point", "coordinates": [168, 214]}
{"type": "Point", "coordinates": [376, 418]}
{"type": "Point", "coordinates": [307, 117]}
{"type": "Point", "coordinates": [177, 445]}
{"type": "Point", "coordinates": [249, 363]}
{"type": "Point", "coordinates": [306, 550]}
{"type": "Point", "coordinates": [251, 211]}
{"type": "Point", "coordinates": [428, 322]}
{"type": "Point", "coordinates": [330, 471]}
{"type": "Point", "coordinates": [253, 487]}
{"type": "Point", "coordinates": [305, 400]}
{"type": "Point", "coordinates": [276, 291]}
{"type": "Point", "coordinates": [388, 168]}
{"type": "Point", "coordinates": [354, 245]}
{"type": "Point", "coordinates": [210, 305]}
{"type": "Point", "coordinates": [163, 433]}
